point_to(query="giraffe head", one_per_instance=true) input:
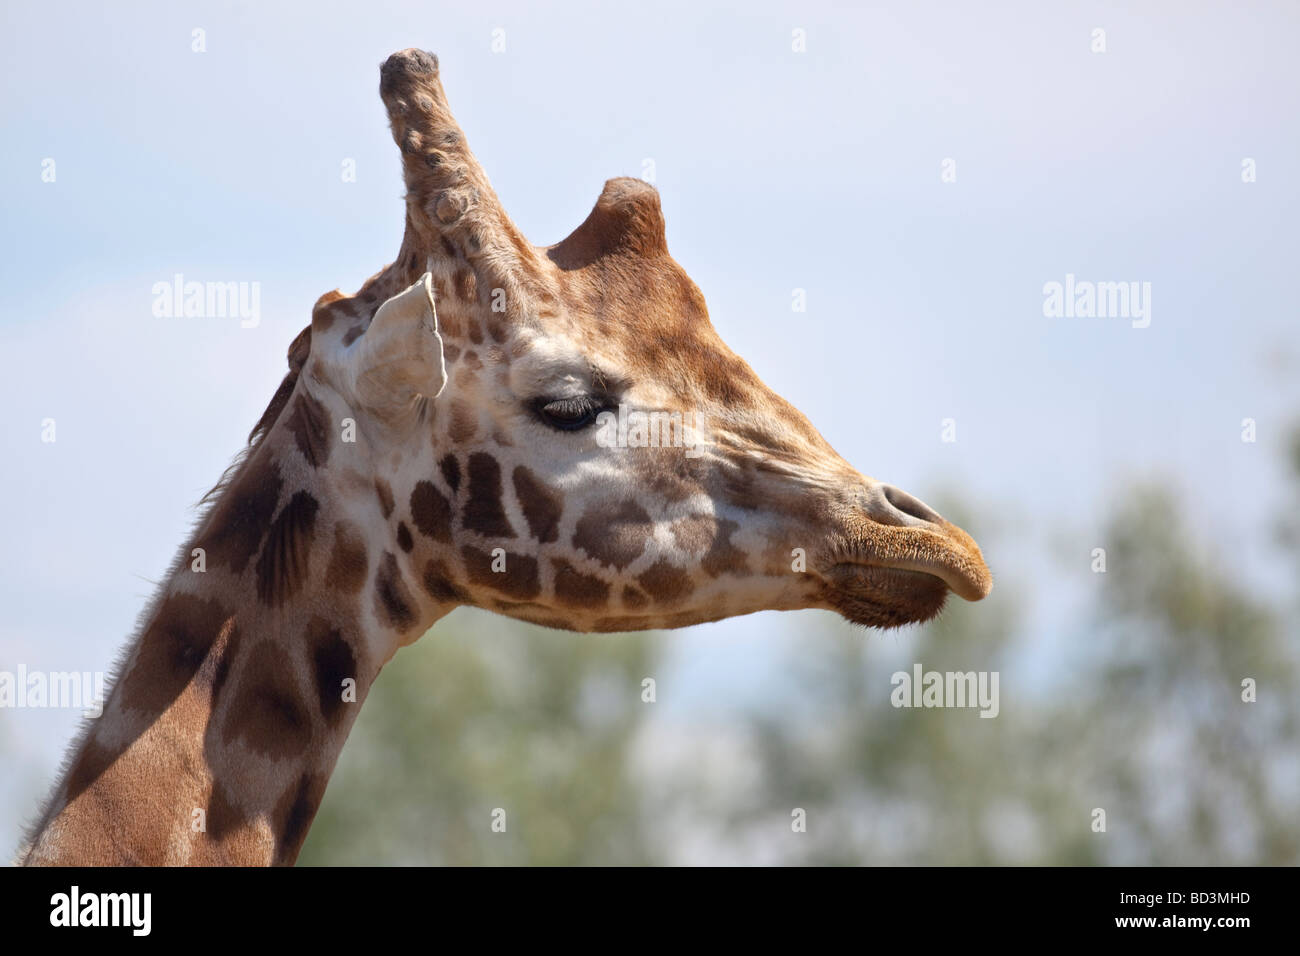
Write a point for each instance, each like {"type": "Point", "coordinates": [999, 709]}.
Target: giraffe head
{"type": "Point", "coordinates": [560, 435]}
{"type": "Point", "coordinates": [557, 434]}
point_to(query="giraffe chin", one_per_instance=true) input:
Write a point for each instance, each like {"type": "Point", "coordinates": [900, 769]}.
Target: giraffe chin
{"type": "Point", "coordinates": [875, 596]}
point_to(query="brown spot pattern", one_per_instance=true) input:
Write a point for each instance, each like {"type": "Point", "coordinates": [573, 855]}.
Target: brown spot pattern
{"type": "Point", "coordinates": [665, 583]}
{"type": "Point", "coordinates": [614, 537]}
{"type": "Point", "coordinates": [392, 597]}
{"type": "Point", "coordinates": [464, 423]}
{"type": "Point", "coordinates": [222, 817]}
{"type": "Point", "coordinates": [483, 511]}
{"type": "Point", "coordinates": [267, 715]}
{"type": "Point", "coordinates": [695, 533]}
{"type": "Point", "coordinates": [333, 662]}
{"type": "Point", "coordinates": [293, 814]}
{"type": "Point", "coordinates": [710, 538]}
{"type": "Point", "coordinates": [450, 467]}
{"type": "Point", "coordinates": [519, 580]}
{"type": "Point", "coordinates": [404, 540]}
{"type": "Point", "coordinates": [224, 649]}
{"type": "Point", "coordinates": [91, 763]}
{"type": "Point", "coordinates": [348, 562]}
{"type": "Point", "coordinates": [449, 324]}
{"type": "Point", "coordinates": [466, 286]}
{"type": "Point", "coordinates": [171, 651]}
{"type": "Point", "coordinates": [438, 582]}
{"type": "Point", "coordinates": [542, 506]}
{"type": "Point", "coordinates": [241, 517]}
{"type": "Point", "coordinates": [309, 424]}
{"type": "Point", "coordinates": [431, 511]}
{"type": "Point", "coordinates": [576, 589]}
{"type": "Point", "coordinates": [282, 568]}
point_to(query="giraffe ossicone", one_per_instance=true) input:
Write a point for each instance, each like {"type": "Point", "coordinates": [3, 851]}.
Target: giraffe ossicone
{"type": "Point", "coordinates": [436, 444]}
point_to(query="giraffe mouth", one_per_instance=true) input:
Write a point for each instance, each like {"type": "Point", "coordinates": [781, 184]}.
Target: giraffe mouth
{"type": "Point", "coordinates": [969, 580]}
{"type": "Point", "coordinates": [907, 576]}
{"type": "Point", "coordinates": [878, 596]}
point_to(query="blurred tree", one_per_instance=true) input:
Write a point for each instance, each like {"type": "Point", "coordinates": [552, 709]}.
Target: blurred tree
{"type": "Point", "coordinates": [882, 784]}
{"type": "Point", "coordinates": [1192, 773]}
{"type": "Point", "coordinates": [1144, 719]}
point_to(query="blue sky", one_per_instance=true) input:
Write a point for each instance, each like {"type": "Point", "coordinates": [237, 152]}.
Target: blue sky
{"type": "Point", "coordinates": [778, 170]}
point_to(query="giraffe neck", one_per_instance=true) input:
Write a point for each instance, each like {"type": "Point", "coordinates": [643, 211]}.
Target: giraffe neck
{"type": "Point", "coordinates": [234, 701]}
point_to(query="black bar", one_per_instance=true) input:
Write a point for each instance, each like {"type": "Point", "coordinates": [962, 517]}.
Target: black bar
{"type": "Point", "coordinates": [334, 905]}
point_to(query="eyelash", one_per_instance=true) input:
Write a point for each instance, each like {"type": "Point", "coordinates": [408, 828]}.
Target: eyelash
{"type": "Point", "coordinates": [568, 414]}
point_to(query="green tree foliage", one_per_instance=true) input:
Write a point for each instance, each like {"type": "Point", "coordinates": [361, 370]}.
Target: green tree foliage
{"type": "Point", "coordinates": [1144, 719]}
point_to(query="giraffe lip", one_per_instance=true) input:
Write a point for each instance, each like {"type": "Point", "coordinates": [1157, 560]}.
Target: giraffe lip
{"type": "Point", "coordinates": [877, 595]}
{"type": "Point", "coordinates": [851, 573]}
{"type": "Point", "coordinates": [938, 549]}
{"type": "Point", "coordinates": [964, 574]}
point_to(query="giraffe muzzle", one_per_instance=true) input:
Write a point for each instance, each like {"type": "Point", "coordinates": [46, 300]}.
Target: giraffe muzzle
{"type": "Point", "coordinates": [928, 544]}
{"type": "Point", "coordinates": [947, 553]}
{"type": "Point", "coordinates": [901, 561]}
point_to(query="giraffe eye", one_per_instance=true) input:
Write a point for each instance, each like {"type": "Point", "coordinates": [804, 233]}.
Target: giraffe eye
{"type": "Point", "coordinates": [568, 414]}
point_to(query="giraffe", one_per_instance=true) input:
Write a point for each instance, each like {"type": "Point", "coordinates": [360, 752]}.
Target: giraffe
{"type": "Point", "coordinates": [436, 443]}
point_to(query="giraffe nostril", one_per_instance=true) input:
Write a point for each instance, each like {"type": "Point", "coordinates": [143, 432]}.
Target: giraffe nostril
{"type": "Point", "coordinates": [911, 506]}
{"type": "Point", "coordinates": [890, 505]}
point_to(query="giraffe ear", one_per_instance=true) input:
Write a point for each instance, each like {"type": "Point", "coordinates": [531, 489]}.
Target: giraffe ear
{"type": "Point", "coordinates": [399, 358]}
